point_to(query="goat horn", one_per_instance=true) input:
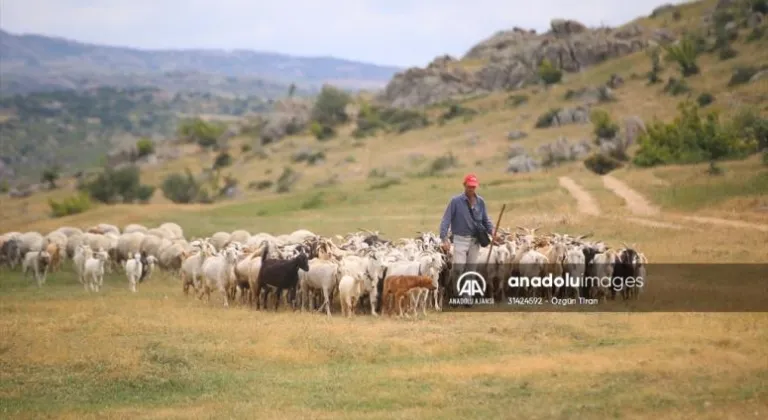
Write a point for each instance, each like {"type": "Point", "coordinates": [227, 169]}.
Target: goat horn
{"type": "Point", "coordinates": [625, 245]}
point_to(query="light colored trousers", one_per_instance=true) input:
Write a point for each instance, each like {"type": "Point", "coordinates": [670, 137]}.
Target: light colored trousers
{"type": "Point", "coordinates": [465, 251]}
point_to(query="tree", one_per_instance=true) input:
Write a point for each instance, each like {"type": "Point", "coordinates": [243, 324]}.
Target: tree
{"type": "Point", "coordinates": [50, 176]}
{"type": "Point", "coordinates": [291, 90]}
{"type": "Point", "coordinates": [548, 73]}
{"type": "Point", "coordinates": [330, 106]}
{"type": "Point", "coordinates": [144, 147]}
{"type": "Point", "coordinates": [684, 54]}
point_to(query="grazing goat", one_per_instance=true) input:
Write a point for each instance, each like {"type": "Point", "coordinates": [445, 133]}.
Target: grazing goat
{"type": "Point", "coordinates": [11, 252]}
{"type": "Point", "coordinates": [399, 286]}
{"type": "Point", "coordinates": [280, 274]}
{"type": "Point", "coordinates": [82, 253]}
{"type": "Point", "coordinates": [38, 262]}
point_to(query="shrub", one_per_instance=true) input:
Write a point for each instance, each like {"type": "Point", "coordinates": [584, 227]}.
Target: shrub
{"type": "Point", "coordinates": [222, 160]}
{"type": "Point", "coordinates": [144, 193]}
{"type": "Point", "coordinates": [749, 124]}
{"type": "Point", "coordinates": [206, 134]}
{"type": "Point", "coordinates": [286, 180]}
{"type": "Point", "coordinates": [676, 87]}
{"type": "Point", "coordinates": [727, 53]}
{"type": "Point", "coordinates": [756, 34]}
{"type": "Point", "coordinates": [604, 127]}
{"type": "Point", "coordinates": [765, 157]}
{"type": "Point", "coordinates": [653, 75]}
{"type": "Point", "coordinates": [372, 119]}
{"type": "Point", "coordinates": [684, 54]}
{"type": "Point", "coordinates": [321, 131]}
{"type": "Point", "coordinates": [384, 184]}
{"type": "Point", "coordinates": [144, 147]}
{"type": "Point", "coordinates": [246, 148]}
{"type": "Point", "coordinates": [4, 187]}
{"type": "Point", "coordinates": [704, 99]}
{"type": "Point", "coordinates": [601, 164]}
{"type": "Point", "coordinates": [182, 188]}
{"type": "Point", "coordinates": [456, 111]}
{"type": "Point", "coordinates": [514, 101]}
{"type": "Point", "coordinates": [441, 164]}
{"type": "Point", "coordinates": [74, 204]}
{"type": "Point", "coordinates": [691, 139]}
{"type": "Point", "coordinates": [547, 119]}
{"type": "Point", "coordinates": [50, 176]}
{"type": "Point", "coordinates": [741, 75]}
{"type": "Point", "coordinates": [115, 185]}
{"type": "Point", "coordinates": [260, 185]}
{"type": "Point", "coordinates": [548, 73]}
{"type": "Point", "coordinates": [330, 106]}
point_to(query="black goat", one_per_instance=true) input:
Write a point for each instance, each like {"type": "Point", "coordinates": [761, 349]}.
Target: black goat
{"type": "Point", "coordinates": [589, 259]}
{"type": "Point", "coordinates": [280, 274]}
{"type": "Point", "coordinates": [627, 265]}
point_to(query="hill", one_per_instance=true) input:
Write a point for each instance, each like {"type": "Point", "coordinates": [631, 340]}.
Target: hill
{"type": "Point", "coordinates": [34, 62]}
{"type": "Point", "coordinates": [75, 129]}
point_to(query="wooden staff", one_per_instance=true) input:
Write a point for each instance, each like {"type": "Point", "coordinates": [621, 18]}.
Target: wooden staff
{"type": "Point", "coordinates": [495, 231]}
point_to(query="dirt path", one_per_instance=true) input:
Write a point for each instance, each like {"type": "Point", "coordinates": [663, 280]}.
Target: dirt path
{"type": "Point", "coordinates": [584, 201]}
{"type": "Point", "coordinates": [725, 222]}
{"type": "Point", "coordinates": [636, 203]}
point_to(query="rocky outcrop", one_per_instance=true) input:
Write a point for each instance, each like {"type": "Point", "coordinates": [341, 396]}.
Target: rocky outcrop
{"type": "Point", "coordinates": [289, 116]}
{"type": "Point", "coordinates": [510, 59]}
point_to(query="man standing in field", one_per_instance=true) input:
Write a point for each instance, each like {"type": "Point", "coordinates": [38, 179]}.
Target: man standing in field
{"type": "Point", "coordinates": [464, 212]}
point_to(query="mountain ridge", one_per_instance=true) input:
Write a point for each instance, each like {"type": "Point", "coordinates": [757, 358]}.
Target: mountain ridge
{"type": "Point", "coordinates": [30, 61]}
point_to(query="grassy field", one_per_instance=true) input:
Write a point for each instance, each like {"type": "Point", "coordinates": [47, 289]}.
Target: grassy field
{"type": "Point", "coordinates": [65, 353]}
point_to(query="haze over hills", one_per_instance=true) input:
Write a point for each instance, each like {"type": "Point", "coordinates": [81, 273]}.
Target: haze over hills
{"type": "Point", "coordinates": [41, 63]}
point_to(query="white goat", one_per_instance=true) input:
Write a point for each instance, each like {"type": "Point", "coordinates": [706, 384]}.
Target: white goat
{"type": "Point", "coordinates": [219, 273]}
{"type": "Point", "coordinates": [323, 275]}
{"type": "Point", "coordinates": [350, 289]}
{"type": "Point", "coordinates": [133, 269]}
{"type": "Point", "coordinates": [93, 273]}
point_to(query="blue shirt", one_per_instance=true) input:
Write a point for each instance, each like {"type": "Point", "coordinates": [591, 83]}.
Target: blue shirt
{"type": "Point", "coordinates": [457, 216]}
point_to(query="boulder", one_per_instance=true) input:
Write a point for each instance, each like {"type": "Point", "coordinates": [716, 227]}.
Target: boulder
{"type": "Point", "coordinates": [515, 151]}
{"type": "Point", "coordinates": [522, 164]}
{"type": "Point", "coordinates": [516, 135]}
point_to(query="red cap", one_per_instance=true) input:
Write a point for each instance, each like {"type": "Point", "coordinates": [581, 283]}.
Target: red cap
{"type": "Point", "coordinates": [470, 180]}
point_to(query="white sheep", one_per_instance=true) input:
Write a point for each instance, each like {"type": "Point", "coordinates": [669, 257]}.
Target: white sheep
{"type": "Point", "coordinates": [38, 262]}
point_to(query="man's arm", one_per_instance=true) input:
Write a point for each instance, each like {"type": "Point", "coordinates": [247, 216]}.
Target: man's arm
{"type": "Point", "coordinates": [487, 220]}
{"type": "Point", "coordinates": [446, 222]}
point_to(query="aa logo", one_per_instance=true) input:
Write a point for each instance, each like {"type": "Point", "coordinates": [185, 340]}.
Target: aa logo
{"type": "Point", "coordinates": [471, 284]}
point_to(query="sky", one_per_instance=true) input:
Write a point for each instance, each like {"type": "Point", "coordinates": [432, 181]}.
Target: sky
{"type": "Point", "coordinates": [394, 32]}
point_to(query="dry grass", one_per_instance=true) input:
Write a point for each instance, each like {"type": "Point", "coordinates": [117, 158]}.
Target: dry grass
{"type": "Point", "coordinates": [155, 354]}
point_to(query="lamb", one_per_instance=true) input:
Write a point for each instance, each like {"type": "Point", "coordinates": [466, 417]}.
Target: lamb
{"type": "Point", "coordinates": [350, 289]}
{"type": "Point", "coordinates": [93, 271]}
{"type": "Point", "coordinates": [280, 274]}
{"type": "Point", "coordinates": [133, 268]}
{"type": "Point", "coordinates": [38, 262]}
{"type": "Point", "coordinates": [399, 286]}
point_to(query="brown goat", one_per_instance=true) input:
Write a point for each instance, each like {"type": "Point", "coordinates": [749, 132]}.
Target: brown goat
{"type": "Point", "coordinates": [399, 286]}
{"type": "Point", "coordinates": [55, 252]}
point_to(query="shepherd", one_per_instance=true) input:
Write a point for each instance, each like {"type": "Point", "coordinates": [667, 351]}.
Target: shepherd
{"type": "Point", "coordinates": [467, 217]}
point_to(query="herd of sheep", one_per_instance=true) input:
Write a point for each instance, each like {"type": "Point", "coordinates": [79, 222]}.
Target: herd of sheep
{"type": "Point", "coordinates": [361, 270]}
